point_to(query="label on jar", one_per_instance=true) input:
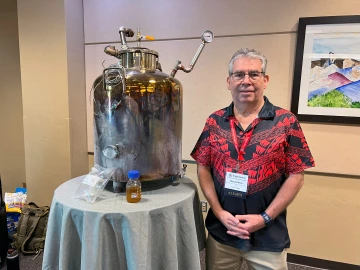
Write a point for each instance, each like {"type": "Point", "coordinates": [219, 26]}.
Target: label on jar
{"type": "Point", "coordinates": [134, 195]}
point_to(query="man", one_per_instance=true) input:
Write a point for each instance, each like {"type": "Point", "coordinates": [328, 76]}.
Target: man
{"type": "Point", "coordinates": [251, 157]}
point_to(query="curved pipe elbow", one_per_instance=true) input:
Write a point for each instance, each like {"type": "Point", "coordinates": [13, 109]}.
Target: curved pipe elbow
{"type": "Point", "coordinates": [110, 50]}
{"type": "Point", "coordinates": [186, 69]}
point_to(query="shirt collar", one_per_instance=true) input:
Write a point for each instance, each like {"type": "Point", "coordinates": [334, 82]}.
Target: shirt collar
{"type": "Point", "coordinates": [267, 111]}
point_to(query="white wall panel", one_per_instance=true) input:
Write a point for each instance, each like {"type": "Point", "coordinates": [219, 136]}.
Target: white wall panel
{"type": "Point", "coordinates": [52, 81]}
{"type": "Point", "coordinates": [12, 156]}
{"type": "Point", "coordinates": [166, 19]}
{"type": "Point", "coordinates": [177, 25]}
{"type": "Point", "coordinates": [205, 91]}
{"type": "Point", "coordinates": [269, 26]}
{"type": "Point", "coordinates": [205, 87]}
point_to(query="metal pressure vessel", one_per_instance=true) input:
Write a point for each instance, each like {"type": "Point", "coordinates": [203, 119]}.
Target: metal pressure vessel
{"type": "Point", "coordinates": [138, 114]}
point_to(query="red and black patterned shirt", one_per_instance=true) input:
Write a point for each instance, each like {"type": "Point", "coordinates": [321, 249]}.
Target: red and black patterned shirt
{"type": "Point", "coordinates": [277, 148]}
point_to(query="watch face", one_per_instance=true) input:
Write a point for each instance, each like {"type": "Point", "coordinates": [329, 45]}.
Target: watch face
{"type": "Point", "coordinates": [207, 36]}
{"type": "Point", "coordinates": [268, 220]}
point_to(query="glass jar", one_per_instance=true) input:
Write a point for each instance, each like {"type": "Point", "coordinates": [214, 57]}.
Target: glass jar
{"type": "Point", "coordinates": [133, 187]}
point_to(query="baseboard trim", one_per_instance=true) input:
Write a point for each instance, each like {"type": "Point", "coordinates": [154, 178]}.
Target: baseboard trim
{"type": "Point", "coordinates": [319, 263]}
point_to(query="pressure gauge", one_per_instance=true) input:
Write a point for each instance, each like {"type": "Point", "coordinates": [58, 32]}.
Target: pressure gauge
{"type": "Point", "coordinates": [207, 36]}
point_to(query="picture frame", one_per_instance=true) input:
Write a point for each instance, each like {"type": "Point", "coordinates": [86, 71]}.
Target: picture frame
{"type": "Point", "coordinates": [326, 83]}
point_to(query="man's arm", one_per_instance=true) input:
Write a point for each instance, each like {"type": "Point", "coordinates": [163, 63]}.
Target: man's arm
{"type": "Point", "coordinates": [283, 198]}
{"type": "Point", "coordinates": [208, 188]}
{"type": "Point", "coordinates": [286, 194]}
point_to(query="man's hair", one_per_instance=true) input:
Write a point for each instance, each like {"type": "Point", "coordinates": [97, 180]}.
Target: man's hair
{"type": "Point", "coordinates": [248, 53]}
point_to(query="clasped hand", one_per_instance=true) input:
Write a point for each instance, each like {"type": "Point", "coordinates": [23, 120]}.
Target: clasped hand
{"type": "Point", "coordinates": [241, 225]}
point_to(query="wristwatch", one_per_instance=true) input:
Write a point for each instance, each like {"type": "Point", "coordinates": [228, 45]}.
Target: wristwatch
{"type": "Point", "coordinates": [268, 220]}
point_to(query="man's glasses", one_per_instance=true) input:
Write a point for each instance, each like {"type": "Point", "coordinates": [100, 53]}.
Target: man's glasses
{"type": "Point", "coordinates": [240, 76]}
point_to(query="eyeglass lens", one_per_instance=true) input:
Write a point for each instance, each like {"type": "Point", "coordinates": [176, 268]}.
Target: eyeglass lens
{"type": "Point", "coordinates": [253, 75]}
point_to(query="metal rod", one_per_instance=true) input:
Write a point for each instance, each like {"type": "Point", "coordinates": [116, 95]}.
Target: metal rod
{"type": "Point", "coordinates": [188, 69]}
{"type": "Point", "coordinates": [196, 57]}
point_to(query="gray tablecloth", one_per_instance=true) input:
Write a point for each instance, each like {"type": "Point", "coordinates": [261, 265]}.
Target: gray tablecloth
{"type": "Point", "coordinates": [165, 230]}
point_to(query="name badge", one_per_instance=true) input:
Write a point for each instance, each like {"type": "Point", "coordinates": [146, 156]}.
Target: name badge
{"type": "Point", "coordinates": [236, 185]}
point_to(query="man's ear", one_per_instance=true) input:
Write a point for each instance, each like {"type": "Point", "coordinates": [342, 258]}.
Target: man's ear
{"type": "Point", "coordinates": [266, 80]}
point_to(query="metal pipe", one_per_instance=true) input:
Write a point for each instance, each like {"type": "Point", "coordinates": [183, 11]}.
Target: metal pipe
{"type": "Point", "coordinates": [138, 37]}
{"type": "Point", "coordinates": [125, 32]}
{"type": "Point", "coordinates": [207, 37]}
{"type": "Point", "coordinates": [122, 38]}
{"type": "Point", "coordinates": [175, 69]}
{"type": "Point", "coordinates": [197, 54]}
{"type": "Point", "coordinates": [188, 69]}
{"type": "Point", "coordinates": [111, 50]}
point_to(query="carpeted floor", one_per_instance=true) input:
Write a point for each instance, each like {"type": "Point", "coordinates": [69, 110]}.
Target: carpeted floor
{"type": "Point", "coordinates": [26, 263]}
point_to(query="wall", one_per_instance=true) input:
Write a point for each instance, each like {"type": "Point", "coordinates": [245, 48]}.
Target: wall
{"type": "Point", "coordinates": [324, 220]}
{"type": "Point", "coordinates": [12, 158]}
{"type": "Point", "coordinates": [74, 25]}
{"type": "Point", "coordinates": [53, 90]}
{"type": "Point", "coordinates": [327, 203]}
{"type": "Point", "coordinates": [233, 28]}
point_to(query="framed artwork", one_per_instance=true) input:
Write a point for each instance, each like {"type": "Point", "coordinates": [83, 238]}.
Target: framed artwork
{"type": "Point", "coordinates": [326, 86]}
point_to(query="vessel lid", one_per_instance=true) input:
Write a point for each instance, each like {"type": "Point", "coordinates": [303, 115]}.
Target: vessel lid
{"type": "Point", "coordinates": [138, 50]}
{"type": "Point", "coordinates": [133, 174]}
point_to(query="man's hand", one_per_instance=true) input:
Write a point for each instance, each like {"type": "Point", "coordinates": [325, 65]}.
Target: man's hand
{"type": "Point", "coordinates": [232, 224]}
{"type": "Point", "coordinates": [248, 223]}
{"type": "Point", "coordinates": [208, 188]}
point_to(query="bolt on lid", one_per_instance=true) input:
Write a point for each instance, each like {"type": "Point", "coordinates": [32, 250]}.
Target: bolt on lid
{"type": "Point", "coordinates": [133, 174]}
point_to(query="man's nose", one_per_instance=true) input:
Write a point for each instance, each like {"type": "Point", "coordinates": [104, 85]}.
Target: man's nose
{"type": "Point", "coordinates": [246, 79]}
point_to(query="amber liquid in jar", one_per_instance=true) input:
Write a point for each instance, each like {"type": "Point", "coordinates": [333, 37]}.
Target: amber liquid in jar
{"type": "Point", "coordinates": [133, 194]}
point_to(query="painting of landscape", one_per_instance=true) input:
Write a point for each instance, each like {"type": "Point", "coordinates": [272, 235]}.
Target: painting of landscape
{"type": "Point", "coordinates": [335, 72]}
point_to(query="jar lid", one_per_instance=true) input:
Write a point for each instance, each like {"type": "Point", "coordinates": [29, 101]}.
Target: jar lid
{"type": "Point", "coordinates": [134, 174]}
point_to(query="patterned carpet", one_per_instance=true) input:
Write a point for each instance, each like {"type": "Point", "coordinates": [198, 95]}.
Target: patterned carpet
{"type": "Point", "coordinates": [26, 262]}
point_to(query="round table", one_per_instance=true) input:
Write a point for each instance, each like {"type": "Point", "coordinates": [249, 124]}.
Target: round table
{"type": "Point", "coordinates": [165, 230]}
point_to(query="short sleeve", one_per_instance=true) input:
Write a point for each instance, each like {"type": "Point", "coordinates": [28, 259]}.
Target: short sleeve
{"type": "Point", "coordinates": [202, 150]}
{"type": "Point", "coordinates": [297, 152]}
